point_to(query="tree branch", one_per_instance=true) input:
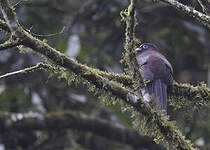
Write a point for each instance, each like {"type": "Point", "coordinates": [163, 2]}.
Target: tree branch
{"type": "Point", "coordinates": [204, 19]}
{"type": "Point", "coordinates": [205, 4]}
{"type": "Point", "coordinates": [23, 71]}
{"type": "Point", "coordinates": [4, 26]}
{"type": "Point", "coordinates": [130, 44]}
{"type": "Point", "coordinates": [168, 131]}
{"type": "Point", "coordinates": [158, 127]}
{"type": "Point", "coordinates": [9, 44]}
{"type": "Point", "coordinates": [76, 121]}
{"type": "Point", "coordinates": [9, 15]}
{"type": "Point", "coordinates": [198, 95]}
{"type": "Point", "coordinates": [187, 91]}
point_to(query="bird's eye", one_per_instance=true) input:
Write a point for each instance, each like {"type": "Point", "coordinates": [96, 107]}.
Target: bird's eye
{"type": "Point", "coordinates": [145, 46]}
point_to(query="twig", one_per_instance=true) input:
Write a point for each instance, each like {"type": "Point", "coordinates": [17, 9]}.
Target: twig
{"type": "Point", "coordinates": [205, 4]}
{"type": "Point", "coordinates": [204, 19]}
{"type": "Point", "coordinates": [17, 3]}
{"type": "Point", "coordinates": [46, 35]}
{"type": "Point", "coordinates": [9, 44]}
{"type": "Point", "coordinates": [23, 71]}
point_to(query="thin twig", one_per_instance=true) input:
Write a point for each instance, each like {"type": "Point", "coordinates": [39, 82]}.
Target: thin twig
{"type": "Point", "coordinates": [23, 71]}
{"type": "Point", "coordinates": [46, 35]}
{"type": "Point", "coordinates": [205, 4]}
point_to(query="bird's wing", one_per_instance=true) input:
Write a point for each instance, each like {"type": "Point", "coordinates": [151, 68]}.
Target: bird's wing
{"type": "Point", "coordinates": [169, 78]}
{"type": "Point", "coordinates": [169, 70]}
{"type": "Point", "coordinates": [167, 63]}
{"type": "Point", "coordinates": [144, 69]}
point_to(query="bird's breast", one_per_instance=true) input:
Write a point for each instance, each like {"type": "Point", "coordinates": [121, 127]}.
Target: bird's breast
{"type": "Point", "coordinates": [142, 59]}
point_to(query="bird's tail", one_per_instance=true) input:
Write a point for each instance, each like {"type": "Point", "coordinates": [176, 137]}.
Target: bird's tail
{"type": "Point", "coordinates": [159, 90]}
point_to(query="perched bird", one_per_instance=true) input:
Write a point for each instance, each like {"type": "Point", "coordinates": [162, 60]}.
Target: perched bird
{"type": "Point", "coordinates": [157, 70]}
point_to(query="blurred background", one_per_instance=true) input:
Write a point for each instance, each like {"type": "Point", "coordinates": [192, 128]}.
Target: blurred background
{"type": "Point", "coordinates": [93, 34]}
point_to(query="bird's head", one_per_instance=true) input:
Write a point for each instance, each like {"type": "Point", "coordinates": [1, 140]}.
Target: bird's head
{"type": "Point", "coordinates": [145, 47]}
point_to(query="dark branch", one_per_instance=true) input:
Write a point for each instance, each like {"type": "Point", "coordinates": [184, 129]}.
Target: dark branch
{"type": "Point", "coordinates": [4, 26]}
{"type": "Point", "coordinates": [205, 4]}
{"type": "Point", "coordinates": [9, 15]}
{"type": "Point", "coordinates": [9, 44]}
{"type": "Point", "coordinates": [204, 19]}
{"type": "Point", "coordinates": [76, 121]}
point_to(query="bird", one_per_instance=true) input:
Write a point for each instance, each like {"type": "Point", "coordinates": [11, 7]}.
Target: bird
{"type": "Point", "coordinates": [157, 70]}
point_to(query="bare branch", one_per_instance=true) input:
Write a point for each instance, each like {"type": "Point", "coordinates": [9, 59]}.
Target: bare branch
{"type": "Point", "coordinates": [205, 4]}
{"type": "Point", "coordinates": [9, 15]}
{"type": "Point", "coordinates": [23, 71]}
{"type": "Point", "coordinates": [76, 121]}
{"type": "Point", "coordinates": [204, 19]}
{"type": "Point", "coordinates": [46, 35]}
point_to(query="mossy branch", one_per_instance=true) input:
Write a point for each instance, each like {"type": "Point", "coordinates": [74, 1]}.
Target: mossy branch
{"type": "Point", "coordinates": [161, 129]}
{"type": "Point", "coordinates": [202, 18]}
{"type": "Point", "coordinates": [10, 43]}
{"type": "Point", "coordinates": [173, 134]}
{"type": "Point", "coordinates": [77, 121]}
{"type": "Point", "coordinates": [197, 96]}
{"type": "Point", "coordinates": [129, 16]}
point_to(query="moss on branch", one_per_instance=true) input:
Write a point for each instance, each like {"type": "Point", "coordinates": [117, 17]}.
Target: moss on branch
{"type": "Point", "coordinates": [110, 90]}
{"type": "Point", "coordinates": [202, 18]}
{"type": "Point", "coordinates": [155, 125]}
{"type": "Point", "coordinates": [10, 43]}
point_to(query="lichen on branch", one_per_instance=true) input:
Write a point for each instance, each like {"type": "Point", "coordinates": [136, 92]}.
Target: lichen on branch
{"type": "Point", "coordinates": [156, 125]}
{"type": "Point", "coordinates": [202, 18]}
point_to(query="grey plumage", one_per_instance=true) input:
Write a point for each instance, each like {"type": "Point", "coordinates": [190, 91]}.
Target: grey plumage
{"type": "Point", "coordinates": [157, 69]}
{"type": "Point", "coordinates": [159, 89]}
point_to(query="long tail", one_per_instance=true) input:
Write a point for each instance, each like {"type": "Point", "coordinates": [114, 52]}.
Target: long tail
{"type": "Point", "coordinates": [159, 89]}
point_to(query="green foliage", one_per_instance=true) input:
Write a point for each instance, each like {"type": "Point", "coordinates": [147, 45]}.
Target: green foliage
{"type": "Point", "coordinates": [62, 45]}
{"type": "Point", "coordinates": [16, 97]}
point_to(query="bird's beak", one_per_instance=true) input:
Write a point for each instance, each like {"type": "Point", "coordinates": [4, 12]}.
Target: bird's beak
{"type": "Point", "coordinates": [138, 49]}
